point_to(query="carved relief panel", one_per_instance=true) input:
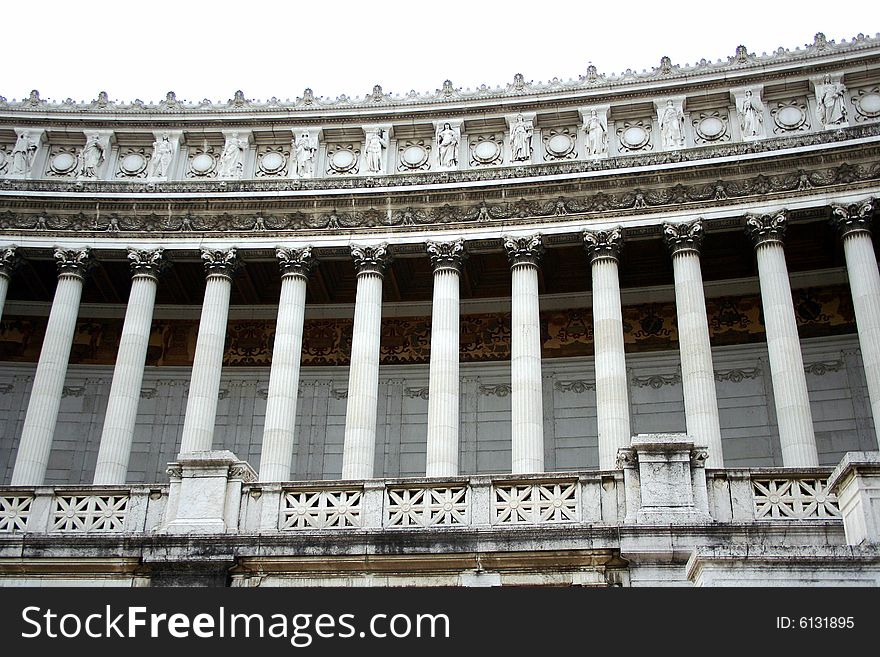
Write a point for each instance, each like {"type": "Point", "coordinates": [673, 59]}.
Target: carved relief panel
{"type": "Point", "coordinates": [273, 155]}
{"type": "Point", "coordinates": [634, 135]}
{"type": "Point", "coordinates": [486, 149]}
{"type": "Point", "coordinates": [710, 126]}
{"type": "Point", "coordinates": [343, 158]}
{"type": "Point", "coordinates": [791, 115]}
{"type": "Point", "coordinates": [560, 143]}
{"type": "Point", "coordinates": [133, 156]}
{"type": "Point", "coordinates": [202, 158]}
{"type": "Point", "coordinates": [866, 103]}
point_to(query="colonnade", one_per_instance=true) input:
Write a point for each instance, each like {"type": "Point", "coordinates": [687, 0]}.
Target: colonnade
{"type": "Point", "coordinates": [525, 252]}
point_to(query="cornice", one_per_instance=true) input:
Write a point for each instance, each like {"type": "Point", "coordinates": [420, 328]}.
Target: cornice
{"type": "Point", "coordinates": [741, 65]}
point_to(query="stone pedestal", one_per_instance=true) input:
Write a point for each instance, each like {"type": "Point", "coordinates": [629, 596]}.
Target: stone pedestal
{"type": "Point", "coordinates": [205, 492]}
{"type": "Point", "coordinates": [665, 480]}
{"type": "Point", "coordinates": [856, 482]}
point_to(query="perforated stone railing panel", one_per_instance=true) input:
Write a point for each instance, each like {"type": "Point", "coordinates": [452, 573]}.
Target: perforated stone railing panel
{"type": "Point", "coordinates": [426, 507]}
{"type": "Point", "coordinates": [14, 513]}
{"type": "Point", "coordinates": [793, 498]}
{"type": "Point", "coordinates": [321, 509]}
{"type": "Point", "coordinates": [89, 513]}
{"type": "Point", "coordinates": [535, 503]}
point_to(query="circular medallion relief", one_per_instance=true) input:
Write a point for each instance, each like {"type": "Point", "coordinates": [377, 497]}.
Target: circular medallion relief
{"type": "Point", "coordinates": [635, 137]}
{"type": "Point", "coordinates": [272, 162]}
{"type": "Point", "coordinates": [63, 163]}
{"type": "Point", "coordinates": [710, 128]}
{"type": "Point", "coordinates": [790, 117]}
{"type": "Point", "coordinates": [560, 144]}
{"type": "Point", "coordinates": [414, 156]}
{"type": "Point", "coordinates": [869, 104]}
{"type": "Point", "coordinates": [342, 160]}
{"type": "Point", "coordinates": [133, 163]}
{"type": "Point", "coordinates": [202, 164]}
{"type": "Point", "coordinates": [486, 151]}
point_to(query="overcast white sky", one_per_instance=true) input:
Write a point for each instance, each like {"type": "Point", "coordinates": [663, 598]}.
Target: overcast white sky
{"type": "Point", "coordinates": [199, 49]}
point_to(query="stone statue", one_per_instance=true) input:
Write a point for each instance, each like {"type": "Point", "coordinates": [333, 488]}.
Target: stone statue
{"type": "Point", "coordinates": [305, 149]}
{"type": "Point", "coordinates": [23, 155]}
{"type": "Point", "coordinates": [376, 144]}
{"type": "Point", "coordinates": [751, 115]}
{"type": "Point", "coordinates": [830, 102]}
{"type": "Point", "coordinates": [520, 141]}
{"type": "Point", "coordinates": [672, 126]}
{"type": "Point", "coordinates": [597, 135]}
{"type": "Point", "coordinates": [447, 146]}
{"type": "Point", "coordinates": [231, 163]}
{"type": "Point", "coordinates": [91, 157]}
{"type": "Point", "coordinates": [163, 153]}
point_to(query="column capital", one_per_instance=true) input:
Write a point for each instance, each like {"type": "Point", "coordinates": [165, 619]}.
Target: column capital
{"type": "Point", "coordinates": [370, 259]}
{"type": "Point", "coordinates": [295, 262]}
{"type": "Point", "coordinates": [220, 262]}
{"type": "Point", "coordinates": [9, 260]}
{"type": "Point", "coordinates": [684, 237]}
{"type": "Point", "coordinates": [73, 262]}
{"type": "Point", "coordinates": [603, 244]}
{"type": "Point", "coordinates": [146, 263]}
{"type": "Point", "coordinates": [854, 218]}
{"type": "Point", "coordinates": [526, 250]}
{"type": "Point", "coordinates": [449, 256]}
{"type": "Point", "coordinates": [767, 229]}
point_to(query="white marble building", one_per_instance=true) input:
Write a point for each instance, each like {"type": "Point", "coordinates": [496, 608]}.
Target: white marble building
{"type": "Point", "coordinates": [624, 332]}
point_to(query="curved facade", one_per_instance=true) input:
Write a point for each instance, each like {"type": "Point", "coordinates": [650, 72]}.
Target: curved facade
{"type": "Point", "coordinates": [511, 335]}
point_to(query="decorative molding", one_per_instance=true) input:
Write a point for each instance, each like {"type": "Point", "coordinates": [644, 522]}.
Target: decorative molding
{"type": "Point", "coordinates": [822, 367]}
{"type": "Point", "coordinates": [9, 261]}
{"type": "Point", "coordinates": [577, 386]}
{"type": "Point", "coordinates": [526, 250]}
{"type": "Point", "coordinates": [371, 259]}
{"type": "Point", "coordinates": [220, 262]}
{"type": "Point", "coordinates": [447, 256]}
{"type": "Point", "coordinates": [147, 263]}
{"type": "Point", "coordinates": [853, 219]}
{"type": "Point", "coordinates": [683, 238]}
{"type": "Point", "coordinates": [499, 390]}
{"type": "Point", "coordinates": [656, 381]}
{"type": "Point", "coordinates": [413, 393]}
{"type": "Point", "coordinates": [295, 262]}
{"type": "Point", "coordinates": [767, 229]}
{"type": "Point", "coordinates": [738, 375]}
{"type": "Point", "coordinates": [73, 262]}
{"type": "Point", "coordinates": [603, 244]}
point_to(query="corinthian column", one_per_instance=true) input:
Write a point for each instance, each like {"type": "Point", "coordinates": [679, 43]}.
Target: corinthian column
{"type": "Point", "coordinates": [697, 373]}
{"type": "Point", "coordinates": [8, 263]}
{"type": "Point", "coordinates": [527, 416]}
{"type": "Point", "coordinates": [443, 397]}
{"type": "Point", "coordinates": [612, 394]}
{"type": "Point", "coordinates": [854, 224]}
{"type": "Point", "coordinates": [796, 437]}
{"type": "Point", "coordinates": [277, 450]}
{"type": "Point", "coordinates": [125, 390]}
{"type": "Point", "coordinates": [201, 405]}
{"type": "Point", "coordinates": [359, 447]}
{"type": "Point", "coordinates": [42, 412]}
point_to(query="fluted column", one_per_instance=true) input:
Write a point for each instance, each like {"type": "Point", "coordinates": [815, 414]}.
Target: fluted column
{"type": "Point", "coordinates": [278, 432]}
{"type": "Point", "coordinates": [8, 263]}
{"type": "Point", "coordinates": [42, 411]}
{"type": "Point", "coordinates": [443, 397]}
{"type": "Point", "coordinates": [796, 437]}
{"type": "Point", "coordinates": [358, 451]}
{"type": "Point", "coordinates": [204, 387]}
{"type": "Point", "coordinates": [612, 393]}
{"type": "Point", "coordinates": [125, 390]}
{"type": "Point", "coordinates": [527, 417]}
{"type": "Point", "coordinates": [697, 373]}
{"type": "Point", "coordinates": [854, 224]}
